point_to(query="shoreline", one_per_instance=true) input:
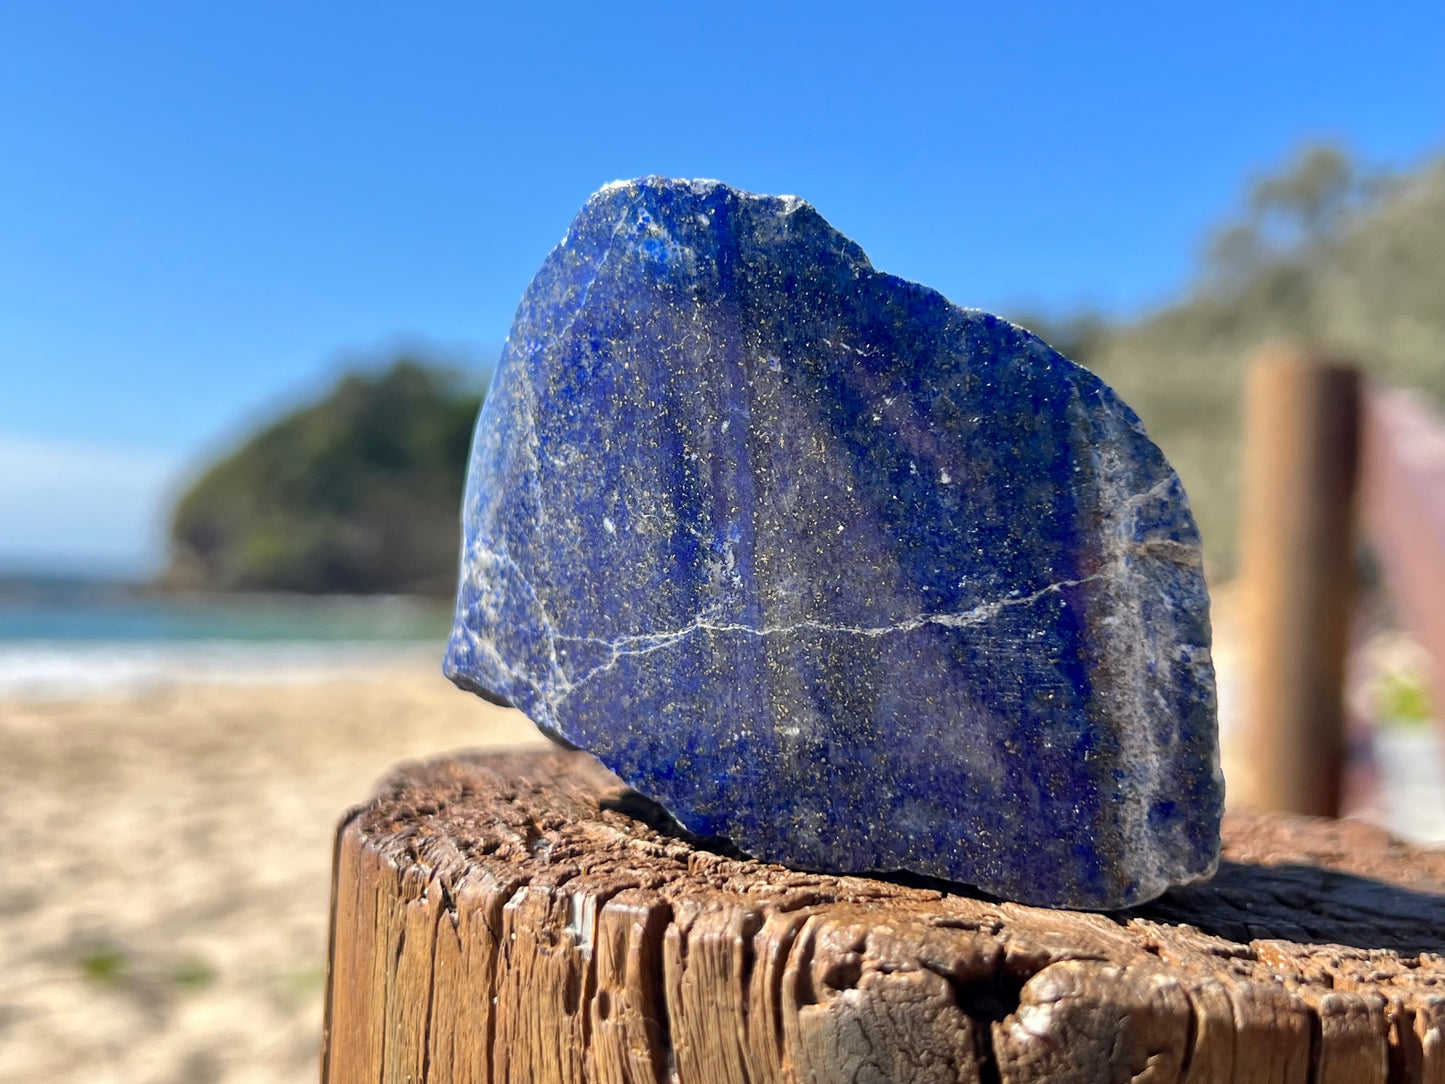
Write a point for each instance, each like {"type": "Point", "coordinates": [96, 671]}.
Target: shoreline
{"type": "Point", "coordinates": [61, 669]}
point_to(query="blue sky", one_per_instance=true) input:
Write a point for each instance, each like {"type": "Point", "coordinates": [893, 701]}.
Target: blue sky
{"type": "Point", "coordinates": [205, 212]}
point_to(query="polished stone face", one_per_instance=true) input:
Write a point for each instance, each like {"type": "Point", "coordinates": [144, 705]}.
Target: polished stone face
{"type": "Point", "coordinates": [826, 565]}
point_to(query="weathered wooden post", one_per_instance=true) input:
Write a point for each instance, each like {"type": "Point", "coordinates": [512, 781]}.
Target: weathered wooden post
{"type": "Point", "coordinates": [1301, 450]}
{"type": "Point", "coordinates": [507, 918]}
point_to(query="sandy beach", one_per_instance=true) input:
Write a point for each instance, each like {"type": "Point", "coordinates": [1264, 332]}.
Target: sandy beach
{"type": "Point", "coordinates": [166, 844]}
{"type": "Point", "coordinates": [166, 858]}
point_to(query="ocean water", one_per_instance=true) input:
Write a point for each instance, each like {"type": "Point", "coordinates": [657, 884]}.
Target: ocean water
{"type": "Point", "coordinates": [61, 640]}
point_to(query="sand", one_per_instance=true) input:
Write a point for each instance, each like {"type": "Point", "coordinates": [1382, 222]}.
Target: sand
{"type": "Point", "coordinates": [166, 856]}
{"type": "Point", "coordinates": [166, 867]}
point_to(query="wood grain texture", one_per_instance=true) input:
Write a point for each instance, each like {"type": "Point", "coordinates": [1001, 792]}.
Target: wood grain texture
{"type": "Point", "coordinates": [523, 917]}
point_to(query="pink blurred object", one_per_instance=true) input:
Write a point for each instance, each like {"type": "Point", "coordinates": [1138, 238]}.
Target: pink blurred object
{"type": "Point", "coordinates": [1402, 502]}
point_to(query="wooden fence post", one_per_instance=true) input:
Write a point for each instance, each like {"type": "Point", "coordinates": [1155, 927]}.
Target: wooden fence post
{"type": "Point", "coordinates": [1300, 463]}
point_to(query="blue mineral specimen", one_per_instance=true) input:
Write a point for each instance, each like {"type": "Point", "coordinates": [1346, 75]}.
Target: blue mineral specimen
{"type": "Point", "coordinates": [826, 565]}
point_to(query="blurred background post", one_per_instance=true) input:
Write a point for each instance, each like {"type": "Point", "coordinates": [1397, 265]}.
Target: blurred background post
{"type": "Point", "coordinates": [1337, 472]}
{"type": "Point", "coordinates": [1301, 435]}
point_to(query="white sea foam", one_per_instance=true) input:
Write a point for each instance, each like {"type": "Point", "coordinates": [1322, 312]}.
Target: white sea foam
{"type": "Point", "coordinates": [67, 669]}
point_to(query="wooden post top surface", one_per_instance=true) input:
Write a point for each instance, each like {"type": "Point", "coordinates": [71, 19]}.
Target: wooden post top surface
{"type": "Point", "coordinates": [522, 917]}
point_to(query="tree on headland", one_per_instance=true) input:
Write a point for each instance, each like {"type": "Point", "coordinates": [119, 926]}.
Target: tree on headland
{"type": "Point", "coordinates": [356, 493]}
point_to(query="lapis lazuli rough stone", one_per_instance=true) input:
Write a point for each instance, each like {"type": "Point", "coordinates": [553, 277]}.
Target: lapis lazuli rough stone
{"type": "Point", "coordinates": [826, 565]}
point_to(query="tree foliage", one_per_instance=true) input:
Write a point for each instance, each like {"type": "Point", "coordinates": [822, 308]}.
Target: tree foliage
{"type": "Point", "coordinates": [1322, 252]}
{"type": "Point", "coordinates": [356, 493]}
